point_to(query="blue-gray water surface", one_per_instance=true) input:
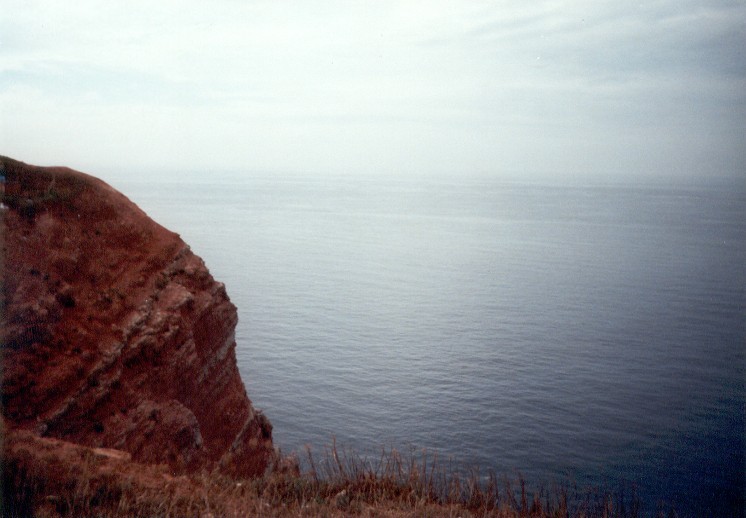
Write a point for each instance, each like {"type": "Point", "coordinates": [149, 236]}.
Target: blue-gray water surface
{"type": "Point", "coordinates": [592, 333]}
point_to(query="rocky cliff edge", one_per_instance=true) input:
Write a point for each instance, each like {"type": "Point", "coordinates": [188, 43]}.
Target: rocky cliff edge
{"type": "Point", "coordinates": [114, 333]}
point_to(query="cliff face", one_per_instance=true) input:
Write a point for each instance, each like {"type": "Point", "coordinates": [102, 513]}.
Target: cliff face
{"type": "Point", "coordinates": [115, 334]}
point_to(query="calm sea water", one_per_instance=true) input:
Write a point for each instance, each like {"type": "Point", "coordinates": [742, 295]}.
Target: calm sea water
{"type": "Point", "coordinates": [591, 333]}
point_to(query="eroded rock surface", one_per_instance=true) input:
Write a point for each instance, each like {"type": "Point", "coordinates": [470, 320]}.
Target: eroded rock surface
{"type": "Point", "coordinates": [114, 333]}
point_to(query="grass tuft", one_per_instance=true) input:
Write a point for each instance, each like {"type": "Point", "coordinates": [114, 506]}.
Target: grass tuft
{"type": "Point", "coordinates": [41, 481]}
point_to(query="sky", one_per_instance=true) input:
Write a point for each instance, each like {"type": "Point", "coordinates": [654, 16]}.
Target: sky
{"type": "Point", "coordinates": [552, 88]}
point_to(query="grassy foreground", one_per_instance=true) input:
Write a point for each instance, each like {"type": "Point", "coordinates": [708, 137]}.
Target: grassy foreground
{"type": "Point", "coordinates": [44, 479]}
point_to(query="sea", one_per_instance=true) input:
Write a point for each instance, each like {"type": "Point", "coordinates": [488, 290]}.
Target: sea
{"type": "Point", "coordinates": [566, 331]}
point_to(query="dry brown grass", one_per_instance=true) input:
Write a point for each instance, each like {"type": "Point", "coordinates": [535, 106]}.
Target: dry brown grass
{"type": "Point", "coordinates": [42, 477]}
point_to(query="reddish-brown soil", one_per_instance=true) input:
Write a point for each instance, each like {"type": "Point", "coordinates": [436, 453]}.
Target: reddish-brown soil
{"type": "Point", "coordinates": [114, 333]}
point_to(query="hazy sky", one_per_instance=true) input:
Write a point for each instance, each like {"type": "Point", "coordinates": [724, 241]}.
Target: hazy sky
{"type": "Point", "coordinates": [551, 87]}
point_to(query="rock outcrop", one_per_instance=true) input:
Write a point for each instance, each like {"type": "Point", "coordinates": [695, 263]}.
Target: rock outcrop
{"type": "Point", "coordinates": [114, 333]}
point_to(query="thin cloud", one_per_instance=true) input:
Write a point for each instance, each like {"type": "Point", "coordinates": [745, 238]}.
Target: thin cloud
{"type": "Point", "coordinates": [404, 85]}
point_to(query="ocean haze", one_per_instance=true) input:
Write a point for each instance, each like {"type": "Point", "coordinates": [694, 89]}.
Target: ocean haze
{"type": "Point", "coordinates": [593, 332]}
{"type": "Point", "coordinates": [394, 88]}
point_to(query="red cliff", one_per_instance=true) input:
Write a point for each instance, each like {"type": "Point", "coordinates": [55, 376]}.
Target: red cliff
{"type": "Point", "coordinates": [114, 333]}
